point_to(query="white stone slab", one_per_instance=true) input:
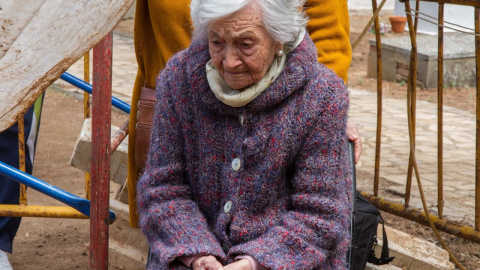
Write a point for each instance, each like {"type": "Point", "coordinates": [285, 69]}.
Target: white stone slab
{"type": "Point", "coordinates": [413, 253]}
{"type": "Point", "coordinates": [82, 154]}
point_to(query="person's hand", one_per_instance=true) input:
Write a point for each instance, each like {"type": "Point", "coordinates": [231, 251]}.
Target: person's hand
{"type": "Point", "coordinates": [242, 264]}
{"type": "Point", "coordinates": [354, 136]}
{"type": "Point", "coordinates": [208, 262]}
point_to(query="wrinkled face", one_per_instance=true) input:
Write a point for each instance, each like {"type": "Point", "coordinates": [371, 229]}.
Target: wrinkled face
{"type": "Point", "coordinates": [241, 48]}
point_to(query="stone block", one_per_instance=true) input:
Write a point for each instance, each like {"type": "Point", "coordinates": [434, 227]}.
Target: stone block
{"type": "Point", "coordinates": [413, 253]}
{"type": "Point", "coordinates": [82, 154]}
{"type": "Point", "coordinates": [371, 266]}
{"type": "Point", "coordinates": [458, 60]}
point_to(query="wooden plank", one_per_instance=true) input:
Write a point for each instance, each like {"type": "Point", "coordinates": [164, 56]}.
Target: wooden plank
{"type": "Point", "coordinates": [82, 154]}
{"type": "Point", "coordinates": [13, 19]}
{"type": "Point", "coordinates": [55, 37]}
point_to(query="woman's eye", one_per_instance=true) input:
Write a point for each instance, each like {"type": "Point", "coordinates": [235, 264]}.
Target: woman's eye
{"type": "Point", "coordinates": [215, 42]}
{"type": "Point", "coordinates": [247, 44]}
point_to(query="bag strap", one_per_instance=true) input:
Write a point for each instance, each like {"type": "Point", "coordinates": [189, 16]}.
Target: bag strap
{"type": "Point", "coordinates": [147, 94]}
{"type": "Point", "coordinates": [384, 256]}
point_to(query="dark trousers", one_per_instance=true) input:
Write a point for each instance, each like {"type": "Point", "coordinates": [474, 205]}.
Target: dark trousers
{"type": "Point", "coordinates": [9, 189]}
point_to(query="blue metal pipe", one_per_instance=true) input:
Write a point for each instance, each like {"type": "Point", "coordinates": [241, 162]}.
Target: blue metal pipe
{"type": "Point", "coordinates": [80, 204]}
{"type": "Point", "coordinates": [88, 88]}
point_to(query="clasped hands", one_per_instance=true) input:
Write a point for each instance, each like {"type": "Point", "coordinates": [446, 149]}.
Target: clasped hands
{"type": "Point", "coordinates": [209, 262]}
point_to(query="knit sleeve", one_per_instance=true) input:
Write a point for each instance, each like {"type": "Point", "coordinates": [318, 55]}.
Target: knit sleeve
{"type": "Point", "coordinates": [170, 219]}
{"type": "Point", "coordinates": [314, 232]}
{"type": "Point", "coordinates": [329, 29]}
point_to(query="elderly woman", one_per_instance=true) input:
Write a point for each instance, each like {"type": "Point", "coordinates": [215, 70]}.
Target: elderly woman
{"type": "Point", "coordinates": [247, 167]}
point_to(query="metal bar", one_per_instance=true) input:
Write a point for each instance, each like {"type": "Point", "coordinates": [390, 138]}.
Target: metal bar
{"type": "Point", "coordinates": [86, 111]}
{"type": "Point", "coordinates": [119, 136]}
{"type": "Point", "coordinates": [351, 155]}
{"type": "Point", "coordinates": [86, 78]}
{"type": "Point", "coordinates": [10, 210]}
{"type": "Point", "coordinates": [417, 8]}
{"type": "Point", "coordinates": [379, 100]}
{"type": "Point", "coordinates": [473, 3]}
{"type": "Point", "coordinates": [100, 172]}
{"type": "Point", "coordinates": [81, 204]}
{"type": "Point", "coordinates": [419, 216]}
{"type": "Point", "coordinates": [440, 111]}
{"type": "Point", "coordinates": [88, 88]}
{"type": "Point", "coordinates": [21, 157]}
{"type": "Point", "coordinates": [411, 98]}
{"type": "Point", "coordinates": [477, 145]}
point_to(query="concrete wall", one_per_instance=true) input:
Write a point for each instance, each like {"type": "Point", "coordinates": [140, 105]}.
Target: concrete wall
{"type": "Point", "coordinates": [365, 6]}
{"type": "Point", "coordinates": [458, 61]}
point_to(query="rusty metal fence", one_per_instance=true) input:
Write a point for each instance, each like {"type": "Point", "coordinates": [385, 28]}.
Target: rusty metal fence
{"type": "Point", "coordinates": [404, 209]}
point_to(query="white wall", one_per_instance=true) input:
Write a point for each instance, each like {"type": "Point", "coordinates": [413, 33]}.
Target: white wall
{"type": "Point", "coordinates": [457, 14]}
{"type": "Point", "coordinates": [366, 5]}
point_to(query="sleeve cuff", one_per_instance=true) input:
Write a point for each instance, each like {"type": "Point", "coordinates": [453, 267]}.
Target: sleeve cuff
{"type": "Point", "coordinates": [187, 260]}
{"type": "Point", "coordinates": [253, 263]}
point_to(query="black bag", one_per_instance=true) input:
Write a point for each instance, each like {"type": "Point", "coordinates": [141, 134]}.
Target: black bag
{"type": "Point", "coordinates": [364, 223]}
{"type": "Point", "coordinates": [364, 238]}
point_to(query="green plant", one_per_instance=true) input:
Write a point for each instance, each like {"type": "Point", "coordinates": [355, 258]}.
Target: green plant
{"type": "Point", "coordinates": [360, 81]}
{"type": "Point", "coordinates": [401, 83]}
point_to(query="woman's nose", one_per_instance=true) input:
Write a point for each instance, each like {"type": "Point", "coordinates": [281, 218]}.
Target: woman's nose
{"type": "Point", "coordinates": [231, 59]}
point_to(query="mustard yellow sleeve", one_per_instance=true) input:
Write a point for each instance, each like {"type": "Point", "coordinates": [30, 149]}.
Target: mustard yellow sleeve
{"type": "Point", "coordinates": [329, 28]}
{"type": "Point", "coordinates": [161, 29]}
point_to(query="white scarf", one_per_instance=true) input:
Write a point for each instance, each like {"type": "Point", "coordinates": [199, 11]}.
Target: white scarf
{"type": "Point", "coordinates": [236, 98]}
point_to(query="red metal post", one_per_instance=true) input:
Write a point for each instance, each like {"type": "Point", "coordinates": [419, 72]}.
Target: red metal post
{"type": "Point", "coordinates": [100, 172]}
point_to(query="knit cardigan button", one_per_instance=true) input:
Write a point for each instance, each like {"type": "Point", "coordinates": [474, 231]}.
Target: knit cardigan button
{"type": "Point", "coordinates": [236, 164]}
{"type": "Point", "coordinates": [227, 207]}
{"type": "Point", "coordinates": [241, 118]}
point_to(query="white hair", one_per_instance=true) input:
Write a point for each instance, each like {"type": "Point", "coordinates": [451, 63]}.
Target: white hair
{"type": "Point", "coordinates": [283, 19]}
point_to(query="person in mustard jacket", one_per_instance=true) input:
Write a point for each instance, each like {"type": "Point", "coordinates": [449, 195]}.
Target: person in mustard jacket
{"type": "Point", "coordinates": [163, 28]}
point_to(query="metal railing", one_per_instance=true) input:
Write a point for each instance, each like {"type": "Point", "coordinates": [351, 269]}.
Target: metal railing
{"type": "Point", "coordinates": [405, 210]}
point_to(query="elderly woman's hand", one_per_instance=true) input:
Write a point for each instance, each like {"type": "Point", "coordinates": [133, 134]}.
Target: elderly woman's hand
{"type": "Point", "coordinates": [207, 262]}
{"type": "Point", "coordinates": [242, 264]}
{"type": "Point", "coordinates": [354, 136]}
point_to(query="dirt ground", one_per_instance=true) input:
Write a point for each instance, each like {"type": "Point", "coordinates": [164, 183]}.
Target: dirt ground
{"type": "Point", "coordinates": [50, 243]}
{"type": "Point", "coordinates": [44, 243]}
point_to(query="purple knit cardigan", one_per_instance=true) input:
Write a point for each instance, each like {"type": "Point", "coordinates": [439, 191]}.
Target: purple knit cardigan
{"type": "Point", "coordinates": [270, 179]}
